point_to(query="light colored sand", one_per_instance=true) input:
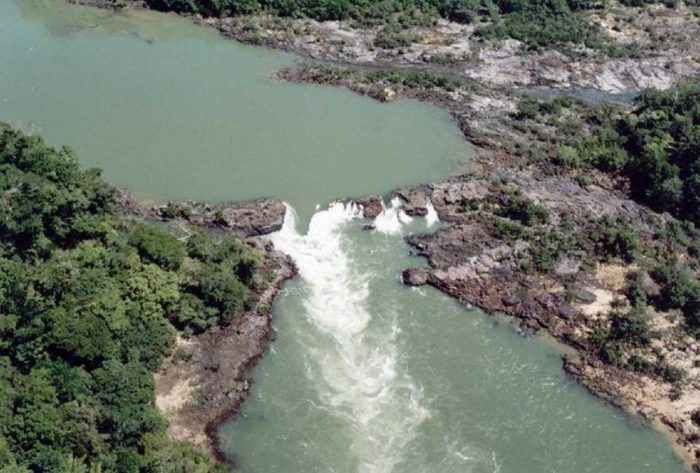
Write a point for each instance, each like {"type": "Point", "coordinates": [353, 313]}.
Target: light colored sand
{"type": "Point", "coordinates": [174, 398]}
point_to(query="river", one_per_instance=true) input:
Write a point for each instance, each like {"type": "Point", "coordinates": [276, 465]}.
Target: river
{"type": "Point", "coordinates": [366, 375]}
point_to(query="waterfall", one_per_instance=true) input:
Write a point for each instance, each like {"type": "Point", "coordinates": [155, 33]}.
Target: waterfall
{"type": "Point", "coordinates": [431, 217]}
{"type": "Point", "coordinates": [392, 218]}
{"type": "Point", "coordinates": [359, 378]}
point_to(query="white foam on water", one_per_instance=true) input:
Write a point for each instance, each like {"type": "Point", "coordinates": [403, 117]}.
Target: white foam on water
{"type": "Point", "coordinates": [470, 457]}
{"type": "Point", "coordinates": [358, 377]}
{"type": "Point", "coordinates": [431, 217]}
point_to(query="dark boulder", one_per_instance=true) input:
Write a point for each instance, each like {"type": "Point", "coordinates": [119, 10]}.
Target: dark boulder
{"type": "Point", "coordinates": [567, 311]}
{"type": "Point", "coordinates": [415, 276]}
{"type": "Point", "coordinates": [371, 205]}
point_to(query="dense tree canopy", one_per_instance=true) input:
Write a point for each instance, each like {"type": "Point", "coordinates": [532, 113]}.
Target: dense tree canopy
{"type": "Point", "coordinates": [662, 140]}
{"type": "Point", "coordinates": [657, 146]}
{"type": "Point", "coordinates": [457, 10]}
{"type": "Point", "coordinates": [90, 304]}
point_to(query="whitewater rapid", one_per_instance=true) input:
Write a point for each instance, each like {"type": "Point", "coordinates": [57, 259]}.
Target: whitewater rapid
{"type": "Point", "coordinates": [359, 379]}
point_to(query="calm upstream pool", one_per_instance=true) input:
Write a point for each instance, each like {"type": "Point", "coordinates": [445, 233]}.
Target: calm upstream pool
{"type": "Point", "coordinates": [366, 376]}
{"type": "Point", "coordinates": [173, 110]}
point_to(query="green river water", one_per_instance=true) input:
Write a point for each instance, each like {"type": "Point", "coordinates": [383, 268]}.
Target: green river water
{"type": "Point", "coordinates": [366, 375]}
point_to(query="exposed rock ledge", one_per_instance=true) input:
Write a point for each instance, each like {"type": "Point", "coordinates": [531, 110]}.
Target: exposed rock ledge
{"type": "Point", "coordinates": [456, 49]}
{"type": "Point", "coordinates": [470, 261]}
{"type": "Point", "coordinates": [492, 63]}
{"type": "Point", "coordinates": [243, 219]}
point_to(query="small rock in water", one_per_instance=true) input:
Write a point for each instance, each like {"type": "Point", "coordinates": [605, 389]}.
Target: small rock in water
{"type": "Point", "coordinates": [369, 226]}
{"type": "Point", "coordinates": [415, 276]}
{"type": "Point", "coordinates": [371, 206]}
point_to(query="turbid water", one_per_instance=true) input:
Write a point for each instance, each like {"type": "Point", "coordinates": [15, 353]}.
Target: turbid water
{"type": "Point", "coordinates": [174, 110]}
{"type": "Point", "coordinates": [366, 376]}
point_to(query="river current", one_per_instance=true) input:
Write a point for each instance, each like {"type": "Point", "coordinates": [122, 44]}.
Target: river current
{"type": "Point", "coordinates": [366, 375]}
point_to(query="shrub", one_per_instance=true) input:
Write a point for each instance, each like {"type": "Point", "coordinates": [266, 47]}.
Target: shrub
{"type": "Point", "coordinates": [639, 364]}
{"type": "Point", "coordinates": [631, 328]}
{"type": "Point", "coordinates": [220, 288]}
{"type": "Point", "coordinates": [611, 353]}
{"type": "Point", "coordinates": [392, 37]}
{"type": "Point", "coordinates": [543, 258]}
{"type": "Point", "coordinates": [200, 245]}
{"type": "Point", "coordinates": [616, 239]}
{"type": "Point", "coordinates": [523, 210]}
{"type": "Point", "coordinates": [568, 156]}
{"type": "Point", "coordinates": [527, 108]}
{"type": "Point", "coordinates": [695, 417]}
{"type": "Point", "coordinates": [625, 330]}
{"type": "Point", "coordinates": [670, 374]}
{"type": "Point", "coordinates": [157, 246]}
{"type": "Point", "coordinates": [508, 230]}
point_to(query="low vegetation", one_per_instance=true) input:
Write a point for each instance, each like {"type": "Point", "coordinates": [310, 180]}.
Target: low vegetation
{"type": "Point", "coordinates": [654, 146]}
{"type": "Point", "coordinates": [538, 24]}
{"type": "Point", "coordinates": [90, 305]}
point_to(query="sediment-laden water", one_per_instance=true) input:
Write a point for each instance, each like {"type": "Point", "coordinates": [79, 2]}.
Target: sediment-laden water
{"type": "Point", "coordinates": [366, 376]}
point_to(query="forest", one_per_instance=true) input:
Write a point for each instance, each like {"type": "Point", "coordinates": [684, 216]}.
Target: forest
{"type": "Point", "coordinates": [90, 305]}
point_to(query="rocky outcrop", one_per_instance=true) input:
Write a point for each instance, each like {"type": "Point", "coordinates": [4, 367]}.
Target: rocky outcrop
{"type": "Point", "coordinates": [507, 66]}
{"type": "Point", "coordinates": [415, 276]}
{"type": "Point", "coordinates": [453, 48]}
{"type": "Point", "coordinates": [206, 380]}
{"type": "Point", "coordinates": [242, 219]}
{"type": "Point", "coordinates": [480, 266]}
{"type": "Point", "coordinates": [416, 202]}
{"type": "Point", "coordinates": [371, 205]}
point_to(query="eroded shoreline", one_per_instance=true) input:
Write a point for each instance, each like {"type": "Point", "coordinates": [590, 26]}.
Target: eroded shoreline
{"type": "Point", "coordinates": [205, 381]}
{"type": "Point", "coordinates": [472, 262]}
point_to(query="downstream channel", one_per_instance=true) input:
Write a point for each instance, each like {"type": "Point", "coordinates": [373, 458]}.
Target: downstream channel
{"type": "Point", "coordinates": [366, 375]}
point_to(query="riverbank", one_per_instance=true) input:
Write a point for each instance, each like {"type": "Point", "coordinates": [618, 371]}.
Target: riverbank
{"type": "Point", "coordinates": [205, 381]}
{"type": "Point", "coordinates": [454, 49]}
